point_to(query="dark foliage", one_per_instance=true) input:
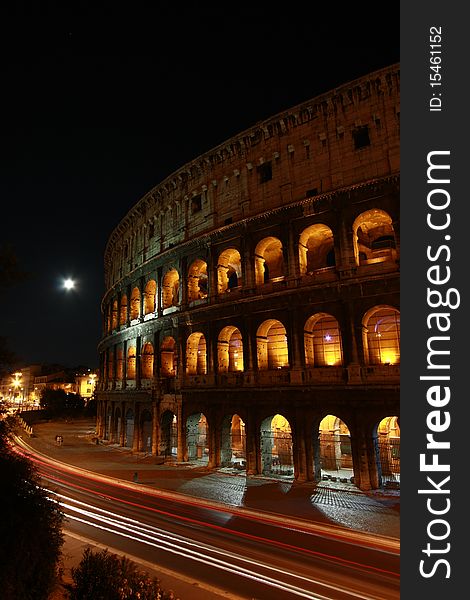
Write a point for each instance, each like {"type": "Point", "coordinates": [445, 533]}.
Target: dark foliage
{"type": "Point", "coordinates": [105, 576]}
{"type": "Point", "coordinates": [30, 529]}
{"type": "Point", "coordinates": [59, 403]}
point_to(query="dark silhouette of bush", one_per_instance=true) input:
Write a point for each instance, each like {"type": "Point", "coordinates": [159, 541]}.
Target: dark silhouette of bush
{"type": "Point", "coordinates": [30, 529]}
{"type": "Point", "coordinates": [106, 576]}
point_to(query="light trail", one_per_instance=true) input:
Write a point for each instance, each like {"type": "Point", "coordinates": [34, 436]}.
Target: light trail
{"type": "Point", "coordinates": [152, 536]}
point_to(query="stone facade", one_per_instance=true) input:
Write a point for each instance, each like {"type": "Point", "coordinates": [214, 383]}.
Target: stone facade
{"type": "Point", "coordinates": [255, 291]}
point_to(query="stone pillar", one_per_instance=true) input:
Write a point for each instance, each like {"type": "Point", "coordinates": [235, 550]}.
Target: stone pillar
{"type": "Point", "coordinates": [252, 445]}
{"type": "Point", "coordinates": [212, 442]}
{"type": "Point", "coordinates": [292, 254]}
{"type": "Point", "coordinates": [301, 469]}
{"type": "Point", "coordinates": [122, 433]}
{"type": "Point", "coordinates": [142, 298]}
{"type": "Point", "coordinates": [182, 450]}
{"type": "Point", "coordinates": [124, 364]}
{"type": "Point", "coordinates": [137, 428]}
{"type": "Point", "coordinates": [159, 292]}
{"type": "Point", "coordinates": [155, 429]}
{"type": "Point", "coordinates": [364, 460]}
{"type": "Point", "coordinates": [138, 362]}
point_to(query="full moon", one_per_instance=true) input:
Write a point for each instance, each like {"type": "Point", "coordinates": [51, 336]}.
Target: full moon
{"type": "Point", "coordinates": [69, 284]}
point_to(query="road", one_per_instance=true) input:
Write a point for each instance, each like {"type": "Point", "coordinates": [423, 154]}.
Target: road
{"type": "Point", "coordinates": [249, 555]}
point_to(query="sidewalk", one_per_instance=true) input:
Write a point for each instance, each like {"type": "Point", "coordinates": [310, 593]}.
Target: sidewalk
{"type": "Point", "coordinates": [329, 502]}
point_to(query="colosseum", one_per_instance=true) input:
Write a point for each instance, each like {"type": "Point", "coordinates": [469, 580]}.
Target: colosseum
{"type": "Point", "coordinates": [251, 314]}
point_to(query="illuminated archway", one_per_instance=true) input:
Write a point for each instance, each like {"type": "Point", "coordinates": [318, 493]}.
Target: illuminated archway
{"type": "Point", "coordinates": [316, 248]}
{"type": "Point", "coordinates": [147, 361]}
{"type": "Point", "coordinates": [197, 438]}
{"type": "Point", "coordinates": [119, 364]}
{"type": "Point", "coordinates": [196, 359]}
{"type": "Point", "coordinates": [233, 443]}
{"type": "Point", "coordinates": [387, 435]}
{"type": "Point", "coordinates": [229, 271]}
{"type": "Point", "coordinates": [168, 435]}
{"type": "Point", "coordinates": [168, 357]}
{"type": "Point", "coordinates": [374, 237]}
{"type": "Point", "coordinates": [135, 304]}
{"type": "Point", "coordinates": [150, 294]}
{"type": "Point", "coordinates": [269, 261]}
{"type": "Point", "coordinates": [276, 447]}
{"type": "Point", "coordinates": [123, 311]}
{"type": "Point", "coordinates": [114, 318]}
{"type": "Point", "coordinates": [381, 336]}
{"type": "Point", "coordinates": [111, 365]}
{"type": "Point", "coordinates": [170, 289]}
{"type": "Point", "coordinates": [230, 350]}
{"type": "Point", "coordinates": [335, 448]}
{"type": "Point", "coordinates": [197, 280]}
{"type": "Point", "coordinates": [131, 363]}
{"type": "Point", "coordinates": [322, 341]}
{"type": "Point", "coordinates": [271, 346]}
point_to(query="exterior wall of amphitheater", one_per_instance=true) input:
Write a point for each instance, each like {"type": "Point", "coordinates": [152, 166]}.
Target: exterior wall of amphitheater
{"type": "Point", "coordinates": [257, 289]}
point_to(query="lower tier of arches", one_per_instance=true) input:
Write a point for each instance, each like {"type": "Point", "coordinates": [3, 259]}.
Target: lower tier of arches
{"type": "Point", "coordinates": [297, 435]}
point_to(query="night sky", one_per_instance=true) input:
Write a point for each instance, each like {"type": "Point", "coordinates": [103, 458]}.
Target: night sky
{"type": "Point", "coordinates": [100, 104]}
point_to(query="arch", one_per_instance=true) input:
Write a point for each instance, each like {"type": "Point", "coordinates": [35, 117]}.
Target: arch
{"type": "Point", "coordinates": [114, 318]}
{"type": "Point", "coordinates": [123, 311]}
{"type": "Point", "coordinates": [229, 350]}
{"type": "Point", "coordinates": [233, 442]}
{"type": "Point", "coordinates": [335, 456]}
{"type": "Point", "coordinates": [135, 304]}
{"type": "Point", "coordinates": [150, 294]}
{"type": "Point", "coordinates": [229, 270]}
{"type": "Point", "coordinates": [129, 428]}
{"type": "Point", "coordinates": [276, 447]}
{"type": "Point", "coordinates": [146, 431]}
{"type": "Point", "coordinates": [111, 365]}
{"type": "Point", "coordinates": [119, 364]}
{"type": "Point", "coordinates": [170, 289]}
{"type": "Point", "coordinates": [197, 280]}
{"type": "Point", "coordinates": [381, 335]}
{"type": "Point", "coordinates": [168, 435]}
{"type": "Point", "coordinates": [196, 354]}
{"type": "Point", "coordinates": [269, 260]}
{"type": "Point", "coordinates": [374, 237]}
{"type": "Point", "coordinates": [197, 438]}
{"type": "Point", "coordinates": [316, 248]}
{"type": "Point", "coordinates": [131, 363]}
{"type": "Point", "coordinates": [322, 341]}
{"type": "Point", "coordinates": [387, 437]}
{"type": "Point", "coordinates": [147, 361]}
{"type": "Point", "coordinates": [271, 346]}
{"type": "Point", "coordinates": [168, 357]}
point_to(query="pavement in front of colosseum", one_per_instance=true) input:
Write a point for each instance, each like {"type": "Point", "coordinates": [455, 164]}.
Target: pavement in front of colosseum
{"type": "Point", "coordinates": [332, 502]}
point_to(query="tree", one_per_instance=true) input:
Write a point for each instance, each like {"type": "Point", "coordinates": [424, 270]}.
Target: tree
{"type": "Point", "coordinates": [105, 576]}
{"type": "Point", "coordinates": [30, 529]}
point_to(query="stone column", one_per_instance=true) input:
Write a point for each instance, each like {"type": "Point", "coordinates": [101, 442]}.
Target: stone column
{"type": "Point", "coordinates": [252, 445]}
{"type": "Point", "coordinates": [182, 450]}
{"type": "Point", "coordinates": [137, 429]}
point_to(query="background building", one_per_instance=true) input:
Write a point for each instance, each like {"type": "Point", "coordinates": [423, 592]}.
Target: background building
{"type": "Point", "coordinates": [251, 314]}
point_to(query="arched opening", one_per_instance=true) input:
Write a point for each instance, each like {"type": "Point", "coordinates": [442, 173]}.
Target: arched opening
{"type": "Point", "coordinates": [170, 289]}
{"type": "Point", "coordinates": [147, 361]}
{"type": "Point", "coordinates": [111, 365]}
{"type": "Point", "coordinates": [168, 357]}
{"type": "Point", "coordinates": [150, 294]}
{"type": "Point", "coordinates": [197, 280]}
{"type": "Point", "coordinates": [168, 435]}
{"type": "Point", "coordinates": [387, 435]}
{"type": "Point", "coordinates": [271, 346]}
{"type": "Point", "coordinates": [381, 336]}
{"type": "Point", "coordinates": [374, 237]}
{"type": "Point", "coordinates": [119, 364]}
{"type": "Point", "coordinates": [316, 249]}
{"type": "Point", "coordinates": [131, 363]}
{"type": "Point", "coordinates": [129, 429]}
{"type": "Point", "coordinates": [277, 459]}
{"type": "Point", "coordinates": [322, 341]}
{"type": "Point", "coordinates": [123, 311]}
{"type": "Point", "coordinates": [135, 304]}
{"type": "Point", "coordinates": [233, 443]}
{"type": "Point", "coordinates": [114, 318]}
{"type": "Point", "coordinates": [335, 449]}
{"type": "Point", "coordinates": [196, 361]}
{"type": "Point", "coordinates": [229, 271]}
{"type": "Point", "coordinates": [146, 432]}
{"type": "Point", "coordinates": [269, 261]}
{"type": "Point", "coordinates": [197, 438]}
{"type": "Point", "coordinates": [230, 350]}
